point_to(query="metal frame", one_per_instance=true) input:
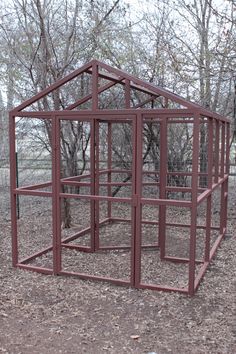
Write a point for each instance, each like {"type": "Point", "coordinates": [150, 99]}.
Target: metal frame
{"type": "Point", "coordinates": [217, 176]}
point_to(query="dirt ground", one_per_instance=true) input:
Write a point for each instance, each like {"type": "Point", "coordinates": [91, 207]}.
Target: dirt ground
{"type": "Point", "coordinates": [47, 314]}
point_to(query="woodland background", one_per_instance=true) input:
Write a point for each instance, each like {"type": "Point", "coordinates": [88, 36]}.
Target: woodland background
{"type": "Point", "coordinates": [186, 46]}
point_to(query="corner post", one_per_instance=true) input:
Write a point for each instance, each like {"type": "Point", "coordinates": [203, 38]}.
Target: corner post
{"type": "Point", "coordinates": [12, 147]}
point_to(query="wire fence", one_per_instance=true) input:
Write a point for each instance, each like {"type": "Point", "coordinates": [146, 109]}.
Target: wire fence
{"type": "Point", "coordinates": [30, 169]}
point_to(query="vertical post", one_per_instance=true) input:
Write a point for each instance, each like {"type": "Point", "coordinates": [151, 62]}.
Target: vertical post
{"type": "Point", "coordinates": [226, 172]}
{"type": "Point", "coordinates": [162, 187]}
{"type": "Point", "coordinates": [94, 175]}
{"type": "Point", "coordinates": [227, 148]}
{"type": "Point", "coordinates": [17, 185]}
{"type": "Point", "coordinates": [109, 165]}
{"type": "Point", "coordinates": [56, 201]}
{"type": "Point", "coordinates": [137, 167]}
{"type": "Point", "coordinates": [166, 102]}
{"type": "Point", "coordinates": [97, 182]}
{"type": "Point", "coordinates": [193, 227]}
{"type": "Point", "coordinates": [223, 203]}
{"type": "Point", "coordinates": [216, 155]}
{"type": "Point", "coordinates": [222, 157]}
{"type": "Point", "coordinates": [209, 186]}
{"type": "Point", "coordinates": [92, 181]}
{"type": "Point", "coordinates": [224, 186]}
{"type": "Point", "coordinates": [12, 147]}
{"type": "Point", "coordinates": [127, 93]}
{"type": "Point", "coordinates": [95, 86]}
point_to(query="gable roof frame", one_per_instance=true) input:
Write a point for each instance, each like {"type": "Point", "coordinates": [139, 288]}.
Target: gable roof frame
{"type": "Point", "coordinates": [98, 69]}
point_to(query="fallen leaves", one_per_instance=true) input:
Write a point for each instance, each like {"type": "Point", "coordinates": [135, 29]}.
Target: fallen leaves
{"type": "Point", "coordinates": [134, 336]}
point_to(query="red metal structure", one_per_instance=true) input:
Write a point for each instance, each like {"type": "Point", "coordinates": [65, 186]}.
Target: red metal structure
{"type": "Point", "coordinates": [160, 109]}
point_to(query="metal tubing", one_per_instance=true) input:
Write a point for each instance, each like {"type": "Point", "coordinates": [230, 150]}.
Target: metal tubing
{"type": "Point", "coordinates": [76, 183]}
{"type": "Point", "coordinates": [35, 255]}
{"type": "Point", "coordinates": [124, 247]}
{"type": "Point", "coordinates": [56, 208]}
{"type": "Point", "coordinates": [95, 86]}
{"type": "Point", "coordinates": [218, 138]}
{"type": "Point", "coordinates": [172, 202]}
{"type": "Point", "coordinates": [200, 275]}
{"type": "Point", "coordinates": [109, 166]}
{"type": "Point", "coordinates": [96, 197]}
{"type": "Point", "coordinates": [216, 157]}
{"type": "Point", "coordinates": [86, 249]}
{"type": "Point", "coordinates": [97, 177]}
{"type": "Point", "coordinates": [209, 186]}
{"type": "Point", "coordinates": [227, 153]}
{"type": "Point", "coordinates": [88, 97]}
{"type": "Point", "coordinates": [216, 244]}
{"type": "Point", "coordinates": [147, 86]}
{"type": "Point", "coordinates": [53, 87]}
{"type": "Point", "coordinates": [96, 277]}
{"type": "Point", "coordinates": [150, 222]}
{"type": "Point", "coordinates": [163, 288]}
{"type": "Point", "coordinates": [212, 253]}
{"type": "Point", "coordinates": [12, 138]}
{"type": "Point", "coordinates": [192, 249]}
{"type": "Point", "coordinates": [180, 260]}
{"type": "Point", "coordinates": [92, 181]}
{"type": "Point", "coordinates": [36, 186]}
{"type": "Point", "coordinates": [162, 188]}
{"type": "Point", "coordinates": [223, 187]}
{"type": "Point", "coordinates": [134, 204]}
{"type": "Point", "coordinates": [148, 100]}
{"type": "Point", "coordinates": [138, 194]}
{"type": "Point", "coordinates": [94, 137]}
{"type": "Point", "coordinates": [117, 114]}
{"type": "Point", "coordinates": [82, 232]}
{"type": "Point", "coordinates": [208, 192]}
{"type": "Point", "coordinates": [127, 93]}
{"type": "Point", "coordinates": [23, 191]}
{"type": "Point", "coordinates": [41, 270]}
{"type": "Point", "coordinates": [227, 148]}
{"type": "Point", "coordinates": [222, 157]}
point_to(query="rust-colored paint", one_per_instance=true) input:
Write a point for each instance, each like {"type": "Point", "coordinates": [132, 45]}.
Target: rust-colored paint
{"type": "Point", "coordinates": [217, 176]}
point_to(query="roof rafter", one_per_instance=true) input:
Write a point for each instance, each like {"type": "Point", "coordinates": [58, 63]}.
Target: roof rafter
{"type": "Point", "coordinates": [116, 76]}
{"type": "Point", "coordinates": [54, 86]}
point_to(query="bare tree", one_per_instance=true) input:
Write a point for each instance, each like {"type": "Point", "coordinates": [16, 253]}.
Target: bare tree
{"type": "Point", "coordinates": [46, 40]}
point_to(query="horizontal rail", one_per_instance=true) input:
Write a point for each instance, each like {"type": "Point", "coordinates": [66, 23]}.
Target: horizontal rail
{"type": "Point", "coordinates": [162, 288]}
{"type": "Point", "coordinates": [208, 192]}
{"type": "Point", "coordinates": [35, 268]}
{"type": "Point", "coordinates": [96, 277]}
{"type": "Point", "coordinates": [172, 202]}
